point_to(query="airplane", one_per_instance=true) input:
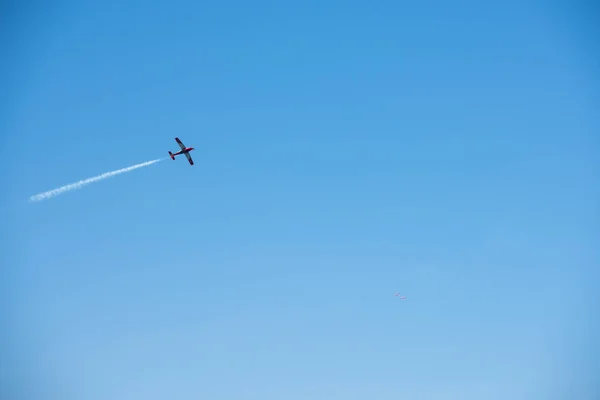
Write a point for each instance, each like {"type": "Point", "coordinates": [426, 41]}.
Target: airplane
{"type": "Point", "coordinates": [184, 150]}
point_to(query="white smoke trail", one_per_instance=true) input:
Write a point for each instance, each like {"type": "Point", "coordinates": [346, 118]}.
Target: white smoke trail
{"type": "Point", "coordinates": [80, 184]}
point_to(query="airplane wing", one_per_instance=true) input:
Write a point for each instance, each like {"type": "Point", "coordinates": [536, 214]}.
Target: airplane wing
{"type": "Point", "coordinates": [179, 143]}
{"type": "Point", "coordinates": [187, 154]}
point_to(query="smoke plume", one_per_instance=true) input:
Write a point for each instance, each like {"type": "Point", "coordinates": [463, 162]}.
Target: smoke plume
{"type": "Point", "coordinates": [82, 183]}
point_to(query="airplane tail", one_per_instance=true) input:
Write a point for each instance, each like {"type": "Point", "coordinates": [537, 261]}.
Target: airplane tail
{"type": "Point", "coordinates": [172, 156]}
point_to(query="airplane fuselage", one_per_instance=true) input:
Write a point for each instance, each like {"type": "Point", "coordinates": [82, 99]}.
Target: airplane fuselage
{"type": "Point", "coordinates": [186, 150]}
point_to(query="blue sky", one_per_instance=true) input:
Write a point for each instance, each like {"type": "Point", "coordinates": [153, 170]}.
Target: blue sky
{"type": "Point", "coordinates": [344, 151]}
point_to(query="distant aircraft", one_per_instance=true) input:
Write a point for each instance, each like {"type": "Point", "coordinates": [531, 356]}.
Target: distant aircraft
{"type": "Point", "coordinates": [401, 297]}
{"type": "Point", "coordinates": [184, 150]}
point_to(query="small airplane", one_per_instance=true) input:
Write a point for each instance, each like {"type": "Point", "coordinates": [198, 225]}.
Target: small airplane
{"type": "Point", "coordinates": [184, 150]}
{"type": "Point", "coordinates": [397, 294]}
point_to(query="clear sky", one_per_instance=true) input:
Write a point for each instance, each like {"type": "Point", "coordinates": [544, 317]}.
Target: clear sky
{"type": "Point", "coordinates": [345, 151]}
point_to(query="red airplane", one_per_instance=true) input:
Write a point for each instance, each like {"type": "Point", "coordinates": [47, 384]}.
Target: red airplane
{"type": "Point", "coordinates": [184, 150]}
